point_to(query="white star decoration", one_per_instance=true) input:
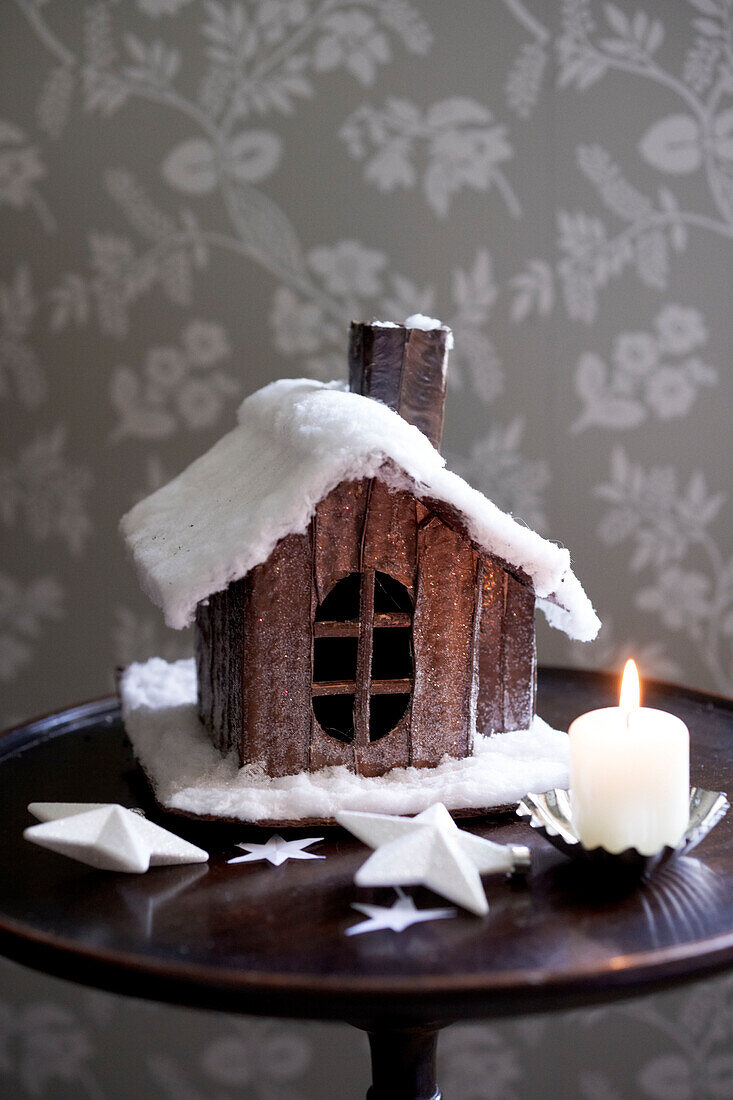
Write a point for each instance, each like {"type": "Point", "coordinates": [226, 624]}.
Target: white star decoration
{"type": "Point", "coordinates": [277, 850]}
{"type": "Point", "coordinates": [430, 850]}
{"type": "Point", "coordinates": [396, 917]}
{"type": "Point", "coordinates": [108, 837]}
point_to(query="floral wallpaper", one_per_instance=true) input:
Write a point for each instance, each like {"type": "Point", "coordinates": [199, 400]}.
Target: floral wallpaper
{"type": "Point", "coordinates": [196, 196]}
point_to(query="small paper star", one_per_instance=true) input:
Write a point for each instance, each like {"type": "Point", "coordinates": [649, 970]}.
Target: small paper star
{"type": "Point", "coordinates": [396, 917]}
{"type": "Point", "coordinates": [277, 850]}
{"type": "Point", "coordinates": [108, 837]}
{"type": "Point", "coordinates": [430, 850]}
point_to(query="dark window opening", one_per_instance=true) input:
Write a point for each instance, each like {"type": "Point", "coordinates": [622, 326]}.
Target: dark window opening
{"type": "Point", "coordinates": [392, 654]}
{"type": "Point", "coordinates": [334, 659]}
{"type": "Point", "coordinates": [385, 711]}
{"type": "Point", "coordinates": [335, 716]}
{"type": "Point", "coordinates": [347, 661]}
{"type": "Point", "coordinates": [390, 595]}
{"type": "Point", "coordinates": [341, 605]}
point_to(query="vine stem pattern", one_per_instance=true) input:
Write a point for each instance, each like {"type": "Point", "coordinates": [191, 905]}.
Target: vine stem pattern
{"type": "Point", "coordinates": [32, 12]}
{"type": "Point", "coordinates": [704, 111]}
{"type": "Point", "coordinates": [530, 23]}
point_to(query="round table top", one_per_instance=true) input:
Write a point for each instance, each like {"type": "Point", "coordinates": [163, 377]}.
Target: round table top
{"type": "Point", "coordinates": [271, 940]}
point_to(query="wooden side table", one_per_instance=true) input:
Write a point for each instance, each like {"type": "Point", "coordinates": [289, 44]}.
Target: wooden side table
{"type": "Point", "coordinates": [266, 940]}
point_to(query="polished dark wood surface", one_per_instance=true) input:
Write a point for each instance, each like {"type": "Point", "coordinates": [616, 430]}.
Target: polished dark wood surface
{"type": "Point", "coordinates": [268, 940]}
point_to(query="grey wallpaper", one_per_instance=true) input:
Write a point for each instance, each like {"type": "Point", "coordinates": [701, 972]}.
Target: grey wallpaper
{"type": "Point", "coordinates": [195, 198]}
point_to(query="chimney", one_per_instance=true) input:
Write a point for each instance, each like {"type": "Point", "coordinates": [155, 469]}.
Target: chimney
{"type": "Point", "coordinates": [403, 366]}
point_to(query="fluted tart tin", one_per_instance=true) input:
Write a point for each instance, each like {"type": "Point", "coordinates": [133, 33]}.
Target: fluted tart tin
{"type": "Point", "coordinates": [550, 814]}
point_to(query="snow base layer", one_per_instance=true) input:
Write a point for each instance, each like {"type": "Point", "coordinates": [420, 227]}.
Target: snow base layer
{"type": "Point", "coordinates": [190, 776]}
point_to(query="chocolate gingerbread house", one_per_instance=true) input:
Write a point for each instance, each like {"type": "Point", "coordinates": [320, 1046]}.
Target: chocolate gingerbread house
{"type": "Point", "coordinates": [355, 603]}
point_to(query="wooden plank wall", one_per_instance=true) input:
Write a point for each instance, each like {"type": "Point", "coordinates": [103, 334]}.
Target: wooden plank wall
{"type": "Point", "coordinates": [390, 534]}
{"type": "Point", "coordinates": [507, 653]}
{"type": "Point", "coordinates": [219, 664]}
{"type": "Point", "coordinates": [445, 640]}
{"type": "Point", "coordinates": [336, 532]}
{"type": "Point", "coordinates": [389, 544]}
{"type": "Point", "coordinates": [520, 655]}
{"type": "Point", "coordinates": [276, 712]}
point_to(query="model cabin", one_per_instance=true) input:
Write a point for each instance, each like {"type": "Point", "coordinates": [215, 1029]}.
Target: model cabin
{"type": "Point", "coordinates": [355, 603]}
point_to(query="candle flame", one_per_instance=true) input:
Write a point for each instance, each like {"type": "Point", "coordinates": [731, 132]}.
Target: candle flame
{"type": "Point", "coordinates": [630, 697]}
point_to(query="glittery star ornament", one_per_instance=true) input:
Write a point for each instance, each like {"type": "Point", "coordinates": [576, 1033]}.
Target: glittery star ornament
{"type": "Point", "coordinates": [430, 850]}
{"type": "Point", "coordinates": [397, 917]}
{"type": "Point", "coordinates": [108, 837]}
{"type": "Point", "coordinates": [277, 850]}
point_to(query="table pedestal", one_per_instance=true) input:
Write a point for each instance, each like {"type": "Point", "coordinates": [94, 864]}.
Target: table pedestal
{"type": "Point", "coordinates": [403, 1064]}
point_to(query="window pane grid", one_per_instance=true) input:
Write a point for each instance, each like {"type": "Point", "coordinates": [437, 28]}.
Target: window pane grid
{"type": "Point", "coordinates": [364, 686]}
{"type": "Point", "coordinates": [383, 620]}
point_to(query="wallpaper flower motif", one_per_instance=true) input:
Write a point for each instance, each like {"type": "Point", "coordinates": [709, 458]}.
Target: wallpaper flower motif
{"type": "Point", "coordinates": [23, 608]}
{"type": "Point", "coordinates": [479, 1064]}
{"type": "Point", "coordinates": [258, 1056]}
{"type": "Point", "coordinates": [50, 1047]}
{"type": "Point", "coordinates": [463, 148]}
{"type": "Point", "coordinates": [21, 373]}
{"type": "Point", "coordinates": [176, 387]}
{"type": "Point", "coordinates": [589, 49]}
{"type": "Point", "coordinates": [652, 373]}
{"type": "Point", "coordinates": [21, 168]}
{"type": "Point", "coordinates": [669, 528]}
{"type": "Point", "coordinates": [47, 492]}
{"type": "Point", "coordinates": [514, 483]}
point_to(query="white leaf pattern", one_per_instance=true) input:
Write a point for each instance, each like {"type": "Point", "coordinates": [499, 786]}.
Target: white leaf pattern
{"type": "Point", "coordinates": [192, 167]}
{"type": "Point", "coordinates": [673, 145]}
{"type": "Point", "coordinates": [265, 231]}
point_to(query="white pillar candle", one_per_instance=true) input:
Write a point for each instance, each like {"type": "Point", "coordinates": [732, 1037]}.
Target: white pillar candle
{"type": "Point", "coordinates": [629, 775]}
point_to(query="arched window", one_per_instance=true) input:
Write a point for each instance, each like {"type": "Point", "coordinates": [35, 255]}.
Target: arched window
{"type": "Point", "coordinates": [362, 657]}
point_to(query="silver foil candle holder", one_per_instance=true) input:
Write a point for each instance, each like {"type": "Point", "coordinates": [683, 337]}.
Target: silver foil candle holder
{"type": "Point", "coordinates": [551, 815]}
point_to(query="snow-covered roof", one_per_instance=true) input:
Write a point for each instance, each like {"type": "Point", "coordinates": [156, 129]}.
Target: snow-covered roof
{"type": "Point", "coordinates": [296, 440]}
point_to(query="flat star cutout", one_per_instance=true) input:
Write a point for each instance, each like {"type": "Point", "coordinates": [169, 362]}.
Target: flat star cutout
{"type": "Point", "coordinates": [396, 917]}
{"type": "Point", "coordinates": [277, 850]}
{"type": "Point", "coordinates": [108, 837]}
{"type": "Point", "coordinates": [430, 850]}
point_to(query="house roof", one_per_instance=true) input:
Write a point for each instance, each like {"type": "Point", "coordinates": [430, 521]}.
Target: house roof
{"type": "Point", "coordinates": [295, 441]}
